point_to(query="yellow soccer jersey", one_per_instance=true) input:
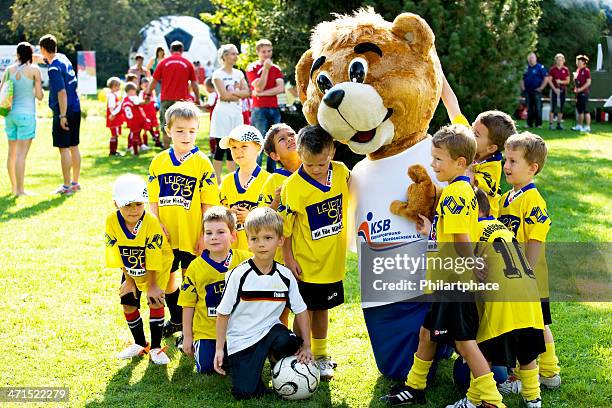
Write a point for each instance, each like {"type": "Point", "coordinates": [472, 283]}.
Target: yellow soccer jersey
{"type": "Point", "coordinates": [315, 218]}
{"type": "Point", "coordinates": [268, 191]}
{"type": "Point", "coordinates": [488, 175]}
{"type": "Point", "coordinates": [516, 305]}
{"type": "Point", "coordinates": [180, 188]}
{"type": "Point", "coordinates": [142, 249]}
{"type": "Point", "coordinates": [524, 213]}
{"type": "Point", "coordinates": [202, 288]}
{"type": "Point", "coordinates": [232, 193]}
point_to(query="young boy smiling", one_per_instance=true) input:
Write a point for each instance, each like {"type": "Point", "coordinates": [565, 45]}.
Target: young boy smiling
{"type": "Point", "coordinates": [248, 316]}
{"type": "Point", "coordinates": [240, 189]}
{"type": "Point", "coordinates": [182, 185]}
{"type": "Point", "coordinates": [203, 285]}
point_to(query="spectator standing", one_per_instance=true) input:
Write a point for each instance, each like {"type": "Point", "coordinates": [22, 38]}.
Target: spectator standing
{"type": "Point", "coordinates": [159, 55]}
{"type": "Point", "coordinates": [582, 87]}
{"type": "Point", "coordinates": [177, 75]}
{"type": "Point", "coordinates": [534, 80]}
{"type": "Point", "coordinates": [267, 81]}
{"type": "Point", "coordinates": [138, 70]}
{"type": "Point", "coordinates": [66, 107]}
{"type": "Point", "coordinates": [209, 69]}
{"type": "Point", "coordinates": [20, 123]}
{"type": "Point", "coordinates": [558, 79]}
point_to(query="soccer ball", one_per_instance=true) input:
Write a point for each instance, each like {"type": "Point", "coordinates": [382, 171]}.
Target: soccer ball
{"type": "Point", "coordinates": [293, 380]}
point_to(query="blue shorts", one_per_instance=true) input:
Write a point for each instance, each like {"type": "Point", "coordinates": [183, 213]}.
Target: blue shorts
{"type": "Point", "coordinates": [394, 335]}
{"type": "Point", "coordinates": [20, 126]}
{"type": "Point", "coordinates": [204, 354]}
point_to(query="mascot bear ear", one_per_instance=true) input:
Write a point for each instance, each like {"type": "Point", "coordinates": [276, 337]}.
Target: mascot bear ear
{"type": "Point", "coordinates": [302, 74]}
{"type": "Point", "coordinates": [415, 31]}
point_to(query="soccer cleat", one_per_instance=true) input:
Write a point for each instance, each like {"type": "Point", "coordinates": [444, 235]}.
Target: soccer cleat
{"type": "Point", "coordinates": [536, 403]}
{"type": "Point", "coordinates": [144, 147]}
{"type": "Point", "coordinates": [578, 128]}
{"type": "Point", "coordinates": [74, 186]}
{"type": "Point", "coordinates": [133, 350]}
{"type": "Point", "coordinates": [586, 129]}
{"type": "Point", "coordinates": [466, 403]}
{"type": "Point", "coordinates": [64, 190]}
{"type": "Point", "coordinates": [158, 356]}
{"type": "Point", "coordinates": [404, 395]}
{"type": "Point", "coordinates": [170, 328]}
{"type": "Point", "coordinates": [552, 383]}
{"type": "Point", "coordinates": [511, 386]}
{"type": "Point", "coordinates": [116, 154]}
{"type": "Point", "coordinates": [326, 367]}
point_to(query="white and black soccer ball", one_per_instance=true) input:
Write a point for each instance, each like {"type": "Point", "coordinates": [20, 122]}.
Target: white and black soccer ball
{"type": "Point", "coordinates": [293, 380]}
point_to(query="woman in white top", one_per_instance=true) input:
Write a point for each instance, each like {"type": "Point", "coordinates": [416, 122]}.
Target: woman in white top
{"type": "Point", "coordinates": [20, 123]}
{"type": "Point", "coordinates": [230, 86]}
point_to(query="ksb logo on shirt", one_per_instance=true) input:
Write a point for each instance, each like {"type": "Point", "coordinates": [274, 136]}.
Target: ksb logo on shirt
{"type": "Point", "coordinates": [133, 259]}
{"type": "Point", "coordinates": [213, 296]}
{"type": "Point", "coordinates": [176, 189]}
{"type": "Point", "coordinates": [325, 218]}
{"type": "Point", "coordinates": [368, 229]}
{"type": "Point", "coordinates": [249, 205]}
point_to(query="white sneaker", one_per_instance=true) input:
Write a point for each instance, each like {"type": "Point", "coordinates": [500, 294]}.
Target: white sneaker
{"type": "Point", "coordinates": [551, 383]}
{"type": "Point", "coordinates": [134, 350]}
{"type": "Point", "coordinates": [462, 403]}
{"type": "Point", "coordinates": [326, 367]}
{"type": "Point", "coordinates": [144, 148]}
{"type": "Point", "coordinates": [578, 128]}
{"type": "Point", "coordinates": [536, 403]}
{"type": "Point", "coordinates": [158, 356]}
{"type": "Point", "coordinates": [511, 386]}
{"type": "Point", "coordinates": [586, 129]}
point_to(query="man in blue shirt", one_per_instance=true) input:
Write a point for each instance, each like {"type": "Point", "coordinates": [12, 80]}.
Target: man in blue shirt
{"type": "Point", "coordinates": [64, 102]}
{"type": "Point", "coordinates": [534, 80]}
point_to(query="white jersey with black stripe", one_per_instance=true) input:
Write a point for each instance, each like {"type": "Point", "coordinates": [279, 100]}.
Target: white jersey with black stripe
{"type": "Point", "coordinates": [255, 302]}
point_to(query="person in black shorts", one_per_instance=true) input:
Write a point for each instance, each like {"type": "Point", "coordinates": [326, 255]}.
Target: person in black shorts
{"type": "Point", "coordinates": [66, 107]}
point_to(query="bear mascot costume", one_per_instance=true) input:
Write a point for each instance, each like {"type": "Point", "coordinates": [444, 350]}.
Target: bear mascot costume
{"type": "Point", "coordinates": [374, 85]}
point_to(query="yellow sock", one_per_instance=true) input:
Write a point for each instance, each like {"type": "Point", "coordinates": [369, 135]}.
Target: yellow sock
{"type": "Point", "coordinates": [417, 377]}
{"type": "Point", "coordinates": [319, 347]}
{"type": "Point", "coordinates": [530, 385]}
{"type": "Point", "coordinates": [488, 390]}
{"type": "Point", "coordinates": [548, 362]}
{"type": "Point", "coordinates": [472, 393]}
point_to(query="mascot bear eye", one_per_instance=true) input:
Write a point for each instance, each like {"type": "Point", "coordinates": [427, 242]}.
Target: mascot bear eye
{"type": "Point", "coordinates": [323, 82]}
{"type": "Point", "coordinates": [358, 68]}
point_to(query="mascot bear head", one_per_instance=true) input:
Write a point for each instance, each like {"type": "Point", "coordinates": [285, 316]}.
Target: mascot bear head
{"type": "Point", "coordinates": [371, 84]}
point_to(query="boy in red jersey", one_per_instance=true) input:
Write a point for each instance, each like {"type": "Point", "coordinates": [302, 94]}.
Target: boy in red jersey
{"type": "Point", "coordinates": [114, 116]}
{"type": "Point", "coordinates": [148, 107]}
{"type": "Point", "coordinates": [134, 117]}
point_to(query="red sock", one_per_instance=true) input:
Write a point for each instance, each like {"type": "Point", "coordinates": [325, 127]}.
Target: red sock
{"type": "Point", "coordinates": [130, 139]}
{"type": "Point", "coordinates": [113, 145]}
{"type": "Point", "coordinates": [145, 138]}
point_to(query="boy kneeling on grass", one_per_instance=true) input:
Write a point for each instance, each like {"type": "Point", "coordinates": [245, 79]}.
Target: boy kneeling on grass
{"type": "Point", "coordinates": [136, 244]}
{"type": "Point", "coordinates": [248, 317]}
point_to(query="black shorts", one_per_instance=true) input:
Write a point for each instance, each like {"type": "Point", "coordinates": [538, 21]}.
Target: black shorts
{"type": "Point", "coordinates": [452, 321]}
{"type": "Point", "coordinates": [221, 153]}
{"type": "Point", "coordinates": [581, 102]}
{"type": "Point", "coordinates": [546, 311]}
{"type": "Point", "coordinates": [557, 102]}
{"type": "Point", "coordinates": [322, 296]}
{"type": "Point", "coordinates": [129, 299]}
{"type": "Point", "coordinates": [66, 138]}
{"type": "Point", "coordinates": [524, 345]}
{"type": "Point", "coordinates": [182, 259]}
{"type": "Point", "coordinates": [245, 366]}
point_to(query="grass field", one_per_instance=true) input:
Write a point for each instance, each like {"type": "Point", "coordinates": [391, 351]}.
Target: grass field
{"type": "Point", "coordinates": [63, 322]}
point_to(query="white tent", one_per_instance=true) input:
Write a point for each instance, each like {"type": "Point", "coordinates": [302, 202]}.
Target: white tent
{"type": "Point", "coordinates": [200, 44]}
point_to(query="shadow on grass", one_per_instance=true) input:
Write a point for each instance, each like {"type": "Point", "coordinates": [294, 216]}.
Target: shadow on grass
{"type": "Point", "coordinates": [27, 212]}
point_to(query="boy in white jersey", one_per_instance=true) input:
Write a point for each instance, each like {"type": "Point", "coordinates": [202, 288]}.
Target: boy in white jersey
{"type": "Point", "coordinates": [182, 185]}
{"type": "Point", "coordinates": [136, 244]}
{"type": "Point", "coordinates": [248, 317]}
{"type": "Point", "coordinates": [523, 211]}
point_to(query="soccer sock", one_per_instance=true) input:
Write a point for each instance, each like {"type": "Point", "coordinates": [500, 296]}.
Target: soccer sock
{"type": "Point", "coordinates": [530, 386]}
{"type": "Point", "coordinates": [145, 138]}
{"type": "Point", "coordinates": [113, 145]}
{"type": "Point", "coordinates": [417, 377]}
{"type": "Point", "coordinates": [134, 322]}
{"type": "Point", "coordinates": [156, 324]}
{"type": "Point", "coordinates": [549, 363]}
{"type": "Point", "coordinates": [472, 392]}
{"type": "Point", "coordinates": [488, 390]}
{"type": "Point", "coordinates": [130, 140]}
{"type": "Point", "coordinates": [319, 347]}
{"type": "Point", "coordinates": [176, 312]}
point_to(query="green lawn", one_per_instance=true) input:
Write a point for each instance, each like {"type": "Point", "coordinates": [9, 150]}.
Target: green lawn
{"type": "Point", "coordinates": [63, 322]}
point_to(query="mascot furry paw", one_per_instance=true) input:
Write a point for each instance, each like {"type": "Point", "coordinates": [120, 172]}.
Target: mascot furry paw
{"type": "Point", "coordinates": [375, 85]}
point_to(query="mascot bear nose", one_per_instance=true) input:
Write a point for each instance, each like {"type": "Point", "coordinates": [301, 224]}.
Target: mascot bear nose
{"type": "Point", "coordinates": [334, 98]}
